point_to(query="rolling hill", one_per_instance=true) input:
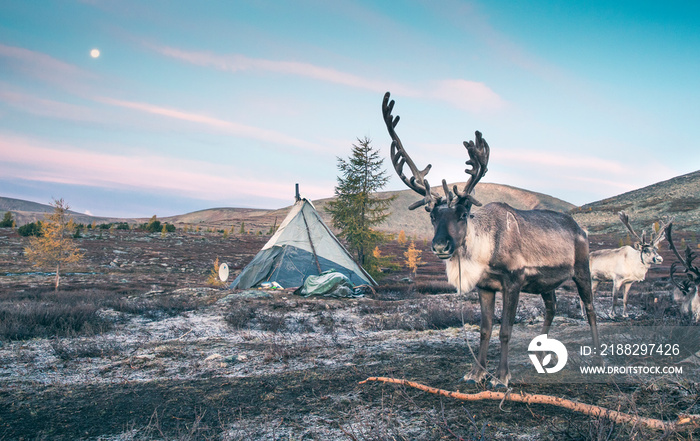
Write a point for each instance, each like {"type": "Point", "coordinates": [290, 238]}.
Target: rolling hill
{"type": "Point", "coordinates": [414, 223]}
{"type": "Point", "coordinates": [678, 197]}
{"type": "Point", "coordinates": [25, 212]}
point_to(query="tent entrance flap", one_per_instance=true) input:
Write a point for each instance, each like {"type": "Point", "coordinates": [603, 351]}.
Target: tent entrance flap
{"type": "Point", "coordinates": [311, 242]}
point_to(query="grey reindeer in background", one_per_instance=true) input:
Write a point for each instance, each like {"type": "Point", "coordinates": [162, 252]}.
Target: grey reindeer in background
{"type": "Point", "coordinates": [686, 289]}
{"type": "Point", "coordinates": [626, 265]}
{"type": "Point", "coordinates": [497, 248]}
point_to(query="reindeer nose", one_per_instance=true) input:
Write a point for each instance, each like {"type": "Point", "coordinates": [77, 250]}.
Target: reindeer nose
{"type": "Point", "coordinates": [658, 259]}
{"type": "Point", "coordinates": [442, 249]}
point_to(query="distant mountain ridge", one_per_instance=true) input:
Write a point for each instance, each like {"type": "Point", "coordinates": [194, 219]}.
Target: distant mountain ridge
{"type": "Point", "coordinates": [25, 212]}
{"type": "Point", "coordinates": [414, 223]}
{"type": "Point", "coordinates": [678, 197]}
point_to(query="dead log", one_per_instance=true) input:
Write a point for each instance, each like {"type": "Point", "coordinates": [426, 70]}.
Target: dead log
{"type": "Point", "coordinates": [684, 422]}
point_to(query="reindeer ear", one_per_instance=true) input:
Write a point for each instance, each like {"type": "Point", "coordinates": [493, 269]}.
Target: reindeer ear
{"type": "Point", "coordinates": [638, 246]}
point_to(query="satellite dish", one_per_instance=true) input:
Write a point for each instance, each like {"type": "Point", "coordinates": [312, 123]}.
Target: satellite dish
{"type": "Point", "coordinates": [223, 272]}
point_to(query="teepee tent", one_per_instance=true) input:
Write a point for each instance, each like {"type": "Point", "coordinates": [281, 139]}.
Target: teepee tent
{"type": "Point", "coordinates": [302, 246]}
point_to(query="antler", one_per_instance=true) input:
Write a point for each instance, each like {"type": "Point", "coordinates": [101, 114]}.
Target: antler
{"type": "Point", "coordinates": [399, 157]}
{"type": "Point", "coordinates": [479, 152]}
{"type": "Point", "coordinates": [626, 221]}
{"type": "Point", "coordinates": [661, 233]}
{"type": "Point", "coordinates": [691, 271]}
{"type": "Point", "coordinates": [478, 159]}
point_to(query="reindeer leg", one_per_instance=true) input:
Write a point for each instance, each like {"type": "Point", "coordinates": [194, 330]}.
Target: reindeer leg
{"type": "Point", "coordinates": [487, 300]}
{"type": "Point", "coordinates": [511, 295]}
{"type": "Point", "coordinates": [582, 279]}
{"type": "Point", "coordinates": [594, 285]}
{"type": "Point", "coordinates": [616, 288]}
{"type": "Point", "coordinates": [625, 293]}
{"type": "Point", "coordinates": [550, 307]}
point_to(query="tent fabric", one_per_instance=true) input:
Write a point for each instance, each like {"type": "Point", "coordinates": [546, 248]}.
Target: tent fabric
{"type": "Point", "coordinates": [292, 253]}
{"type": "Point", "coordinates": [328, 284]}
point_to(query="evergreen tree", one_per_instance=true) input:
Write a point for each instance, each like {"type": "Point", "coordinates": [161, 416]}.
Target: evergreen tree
{"type": "Point", "coordinates": [356, 209]}
{"type": "Point", "coordinates": [6, 220]}
{"type": "Point", "coordinates": [55, 247]}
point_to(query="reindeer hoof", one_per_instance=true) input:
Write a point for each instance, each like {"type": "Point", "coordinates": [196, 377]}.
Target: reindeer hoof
{"type": "Point", "coordinates": [473, 378]}
{"type": "Point", "coordinates": [498, 384]}
{"type": "Point", "coordinates": [470, 381]}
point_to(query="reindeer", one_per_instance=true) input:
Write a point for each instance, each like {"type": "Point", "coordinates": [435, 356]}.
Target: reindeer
{"type": "Point", "coordinates": [626, 265]}
{"type": "Point", "coordinates": [497, 248]}
{"type": "Point", "coordinates": [686, 291]}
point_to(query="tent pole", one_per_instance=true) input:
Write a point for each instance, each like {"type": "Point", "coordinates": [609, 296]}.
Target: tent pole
{"type": "Point", "coordinates": [311, 242]}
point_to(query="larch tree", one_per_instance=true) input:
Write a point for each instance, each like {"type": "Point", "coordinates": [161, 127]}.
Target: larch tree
{"type": "Point", "coordinates": [413, 259]}
{"type": "Point", "coordinates": [54, 248]}
{"type": "Point", "coordinates": [357, 209]}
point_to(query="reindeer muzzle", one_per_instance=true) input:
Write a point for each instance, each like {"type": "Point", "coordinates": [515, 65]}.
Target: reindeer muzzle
{"type": "Point", "coordinates": [443, 250]}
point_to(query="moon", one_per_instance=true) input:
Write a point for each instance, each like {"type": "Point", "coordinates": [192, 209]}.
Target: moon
{"type": "Point", "coordinates": [95, 53]}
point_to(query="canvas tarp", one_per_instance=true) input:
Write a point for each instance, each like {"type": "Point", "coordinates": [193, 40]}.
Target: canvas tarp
{"type": "Point", "coordinates": [302, 246]}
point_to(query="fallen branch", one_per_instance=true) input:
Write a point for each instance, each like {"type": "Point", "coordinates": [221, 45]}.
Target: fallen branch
{"type": "Point", "coordinates": [684, 422]}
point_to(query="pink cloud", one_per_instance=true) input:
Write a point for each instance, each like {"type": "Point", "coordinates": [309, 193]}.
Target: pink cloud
{"type": "Point", "coordinates": [43, 67]}
{"type": "Point", "coordinates": [44, 107]}
{"type": "Point", "coordinates": [36, 161]}
{"type": "Point", "coordinates": [468, 95]}
{"type": "Point", "coordinates": [548, 159]}
{"type": "Point", "coordinates": [236, 63]}
{"type": "Point", "coordinates": [227, 126]}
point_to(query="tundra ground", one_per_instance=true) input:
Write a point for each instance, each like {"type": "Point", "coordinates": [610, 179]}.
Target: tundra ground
{"type": "Point", "coordinates": [136, 346]}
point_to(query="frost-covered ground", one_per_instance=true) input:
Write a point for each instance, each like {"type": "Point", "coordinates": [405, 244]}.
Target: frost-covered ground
{"type": "Point", "coordinates": [163, 356]}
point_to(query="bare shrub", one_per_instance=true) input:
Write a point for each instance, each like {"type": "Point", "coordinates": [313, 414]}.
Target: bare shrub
{"type": "Point", "coordinates": [26, 320]}
{"type": "Point", "coordinates": [684, 204]}
{"type": "Point", "coordinates": [269, 321]}
{"type": "Point", "coordinates": [155, 308]}
{"type": "Point", "coordinates": [41, 313]}
{"type": "Point", "coordinates": [434, 287]}
{"type": "Point", "coordinates": [376, 307]}
{"type": "Point", "coordinates": [396, 321]}
{"type": "Point", "coordinates": [395, 291]}
{"type": "Point", "coordinates": [327, 321]}
{"type": "Point", "coordinates": [441, 316]}
{"type": "Point", "coordinates": [300, 325]}
{"type": "Point", "coordinates": [239, 316]}
{"type": "Point", "coordinates": [281, 348]}
{"type": "Point", "coordinates": [568, 307]}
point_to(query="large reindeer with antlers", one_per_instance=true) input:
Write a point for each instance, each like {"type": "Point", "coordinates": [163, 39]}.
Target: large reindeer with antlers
{"type": "Point", "coordinates": [497, 248]}
{"type": "Point", "coordinates": [687, 289]}
{"type": "Point", "coordinates": [626, 264]}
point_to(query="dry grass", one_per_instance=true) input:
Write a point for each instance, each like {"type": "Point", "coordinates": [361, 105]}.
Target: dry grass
{"type": "Point", "coordinates": [27, 314]}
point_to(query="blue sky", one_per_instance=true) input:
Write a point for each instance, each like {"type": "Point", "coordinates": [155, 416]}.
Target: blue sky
{"type": "Point", "coordinates": [194, 105]}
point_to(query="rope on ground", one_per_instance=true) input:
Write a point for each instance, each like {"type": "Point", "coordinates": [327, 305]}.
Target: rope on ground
{"type": "Point", "coordinates": [684, 422]}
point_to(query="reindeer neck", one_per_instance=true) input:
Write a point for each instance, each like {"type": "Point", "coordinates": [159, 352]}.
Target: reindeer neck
{"type": "Point", "coordinates": [470, 261]}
